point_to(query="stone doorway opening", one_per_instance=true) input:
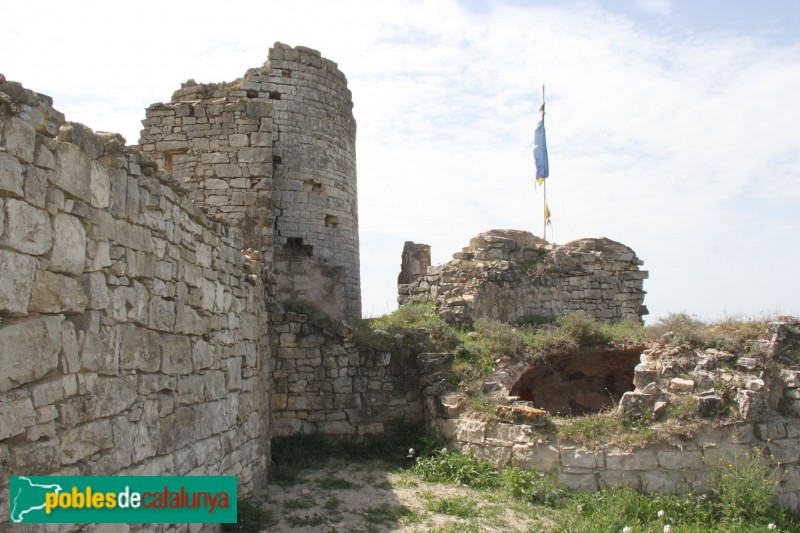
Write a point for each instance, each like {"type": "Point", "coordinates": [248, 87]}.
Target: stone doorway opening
{"type": "Point", "coordinates": [578, 383]}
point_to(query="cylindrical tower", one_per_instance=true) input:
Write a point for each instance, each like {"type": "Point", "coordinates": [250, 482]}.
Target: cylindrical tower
{"type": "Point", "coordinates": [315, 204]}
{"type": "Point", "coordinates": [274, 153]}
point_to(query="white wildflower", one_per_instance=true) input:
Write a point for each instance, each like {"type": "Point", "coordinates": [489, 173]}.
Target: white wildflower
{"type": "Point", "coordinates": [668, 529]}
{"type": "Point", "coordinates": [627, 529]}
{"type": "Point", "coordinates": [661, 513]}
{"type": "Point", "coordinates": [772, 527]}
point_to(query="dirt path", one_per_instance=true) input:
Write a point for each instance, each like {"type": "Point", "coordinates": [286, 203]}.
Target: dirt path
{"type": "Point", "coordinates": [376, 497]}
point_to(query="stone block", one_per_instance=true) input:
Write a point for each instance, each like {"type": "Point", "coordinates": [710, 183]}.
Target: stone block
{"type": "Point", "coordinates": [69, 245]}
{"type": "Point", "coordinates": [54, 293]}
{"type": "Point", "coordinates": [37, 458]}
{"type": "Point", "coordinates": [254, 155]}
{"type": "Point", "coordinates": [176, 354]}
{"type": "Point", "coordinates": [161, 314]}
{"type": "Point", "coordinates": [96, 290]}
{"type": "Point", "coordinates": [82, 136]}
{"type": "Point", "coordinates": [17, 273]}
{"type": "Point", "coordinates": [771, 430]}
{"type": "Point", "coordinates": [70, 356]}
{"type": "Point", "coordinates": [613, 479]}
{"type": "Point", "coordinates": [681, 385]}
{"type": "Point", "coordinates": [634, 404]}
{"type": "Point", "coordinates": [784, 451]}
{"type": "Point", "coordinates": [791, 378]}
{"type": "Point", "coordinates": [29, 351]}
{"type": "Point", "coordinates": [234, 374]}
{"type": "Point", "coordinates": [84, 440]}
{"type": "Point", "coordinates": [113, 395]}
{"type": "Point", "coordinates": [27, 228]}
{"type": "Point", "coordinates": [179, 429]}
{"type": "Point", "coordinates": [19, 139]}
{"type": "Point", "coordinates": [680, 460]}
{"type": "Point", "coordinates": [657, 482]}
{"type": "Point", "coordinates": [188, 321]}
{"type": "Point", "coordinates": [541, 458]}
{"type": "Point", "coordinates": [10, 176]}
{"type": "Point", "coordinates": [152, 383]}
{"type": "Point", "coordinates": [238, 140]}
{"type": "Point", "coordinates": [99, 185]}
{"type": "Point", "coordinates": [140, 350]}
{"type": "Point", "coordinates": [203, 354]}
{"type": "Point", "coordinates": [581, 482]}
{"type": "Point", "coordinates": [36, 186]}
{"type": "Point", "coordinates": [753, 405]}
{"type": "Point", "coordinates": [581, 458]}
{"type": "Point", "coordinates": [16, 413]}
{"type": "Point", "coordinates": [54, 390]}
{"type": "Point", "coordinates": [223, 170]}
{"type": "Point", "coordinates": [191, 389]}
{"type": "Point", "coordinates": [73, 171]}
{"type": "Point", "coordinates": [508, 433]}
{"type": "Point", "coordinates": [638, 459]}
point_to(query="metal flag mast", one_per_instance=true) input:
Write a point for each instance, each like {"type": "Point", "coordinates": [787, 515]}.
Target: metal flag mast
{"type": "Point", "coordinates": [544, 184]}
{"type": "Point", "coordinates": [541, 162]}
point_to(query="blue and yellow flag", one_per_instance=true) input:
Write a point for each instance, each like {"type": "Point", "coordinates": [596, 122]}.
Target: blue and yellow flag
{"type": "Point", "coordinates": [540, 151]}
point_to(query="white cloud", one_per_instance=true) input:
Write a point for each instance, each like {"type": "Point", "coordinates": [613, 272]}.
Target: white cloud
{"type": "Point", "coordinates": [682, 146]}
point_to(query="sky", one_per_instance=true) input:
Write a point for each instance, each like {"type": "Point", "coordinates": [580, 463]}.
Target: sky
{"type": "Point", "coordinates": [672, 125]}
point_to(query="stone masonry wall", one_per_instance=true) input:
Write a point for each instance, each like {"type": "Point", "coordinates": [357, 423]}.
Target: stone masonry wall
{"type": "Point", "coordinates": [508, 275]}
{"type": "Point", "coordinates": [132, 328]}
{"type": "Point", "coordinates": [316, 204]}
{"type": "Point", "coordinates": [324, 383]}
{"type": "Point", "coordinates": [676, 465]}
{"type": "Point", "coordinates": [274, 153]}
{"type": "Point", "coordinates": [217, 141]}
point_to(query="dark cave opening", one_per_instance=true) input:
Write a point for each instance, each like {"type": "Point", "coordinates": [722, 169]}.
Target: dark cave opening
{"type": "Point", "coordinates": [578, 383]}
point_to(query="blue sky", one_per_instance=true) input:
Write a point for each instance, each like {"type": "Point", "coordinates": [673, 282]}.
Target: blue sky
{"type": "Point", "coordinates": [672, 125]}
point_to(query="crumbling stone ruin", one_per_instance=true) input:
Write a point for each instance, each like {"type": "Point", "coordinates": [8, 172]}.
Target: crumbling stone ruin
{"type": "Point", "coordinates": [511, 275]}
{"type": "Point", "coordinates": [730, 404]}
{"type": "Point", "coordinates": [169, 308]}
{"type": "Point", "coordinates": [274, 154]}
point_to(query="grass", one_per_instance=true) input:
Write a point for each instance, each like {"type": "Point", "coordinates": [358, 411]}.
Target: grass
{"type": "Point", "coordinates": [388, 514]}
{"type": "Point", "coordinates": [456, 506]}
{"type": "Point", "coordinates": [743, 499]}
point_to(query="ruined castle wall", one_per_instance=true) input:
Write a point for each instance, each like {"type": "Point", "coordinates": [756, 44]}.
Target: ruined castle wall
{"type": "Point", "coordinates": [509, 275]}
{"type": "Point", "coordinates": [315, 198]}
{"type": "Point", "coordinates": [132, 334]}
{"type": "Point", "coordinates": [217, 141]}
{"type": "Point", "coordinates": [274, 153]}
{"type": "Point", "coordinates": [324, 383]}
{"type": "Point", "coordinates": [673, 466]}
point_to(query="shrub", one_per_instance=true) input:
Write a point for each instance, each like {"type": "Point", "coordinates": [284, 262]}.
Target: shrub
{"type": "Point", "coordinates": [449, 466]}
{"type": "Point", "coordinates": [581, 330]}
{"type": "Point", "coordinates": [746, 489]}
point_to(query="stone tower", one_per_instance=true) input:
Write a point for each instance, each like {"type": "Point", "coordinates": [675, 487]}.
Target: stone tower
{"type": "Point", "coordinates": [274, 153]}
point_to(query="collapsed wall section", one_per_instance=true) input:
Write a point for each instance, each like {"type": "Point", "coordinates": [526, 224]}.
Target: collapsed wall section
{"type": "Point", "coordinates": [216, 139]}
{"type": "Point", "coordinates": [132, 328]}
{"type": "Point", "coordinates": [511, 275]}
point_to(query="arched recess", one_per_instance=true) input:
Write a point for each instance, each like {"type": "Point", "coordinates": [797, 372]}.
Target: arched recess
{"type": "Point", "coordinates": [578, 383]}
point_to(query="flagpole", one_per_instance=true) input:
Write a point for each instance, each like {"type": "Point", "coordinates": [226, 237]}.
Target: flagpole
{"type": "Point", "coordinates": [544, 185]}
